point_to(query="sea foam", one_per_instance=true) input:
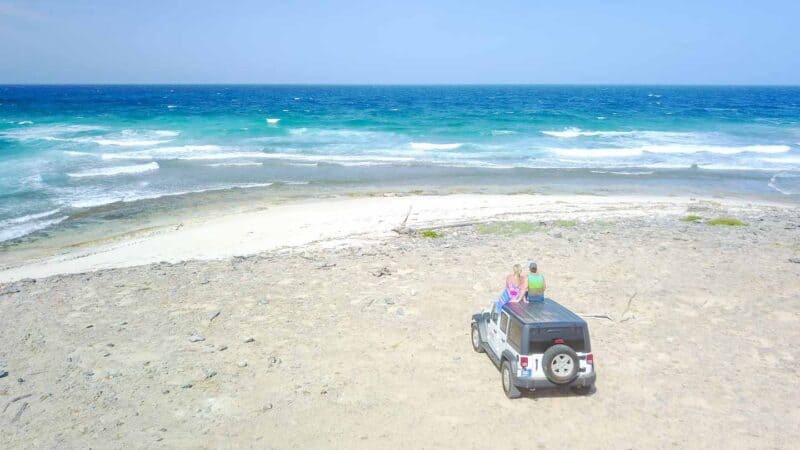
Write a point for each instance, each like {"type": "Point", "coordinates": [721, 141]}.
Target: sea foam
{"type": "Point", "coordinates": [177, 152]}
{"type": "Point", "coordinates": [113, 171]}
{"type": "Point", "coordinates": [21, 226]}
{"type": "Point", "coordinates": [431, 146]}
{"type": "Point", "coordinates": [678, 149]}
{"type": "Point", "coordinates": [577, 132]}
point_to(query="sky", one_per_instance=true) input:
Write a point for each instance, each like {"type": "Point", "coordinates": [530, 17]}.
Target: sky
{"type": "Point", "coordinates": [400, 42]}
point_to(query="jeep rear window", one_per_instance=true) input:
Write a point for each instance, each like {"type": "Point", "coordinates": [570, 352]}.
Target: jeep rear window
{"type": "Point", "coordinates": [539, 342]}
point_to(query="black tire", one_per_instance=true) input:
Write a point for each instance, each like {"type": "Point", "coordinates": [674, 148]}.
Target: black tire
{"type": "Point", "coordinates": [560, 364]}
{"type": "Point", "coordinates": [475, 335]}
{"type": "Point", "coordinates": [507, 378]}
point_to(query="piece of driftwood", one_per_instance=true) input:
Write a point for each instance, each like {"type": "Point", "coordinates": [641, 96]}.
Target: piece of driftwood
{"type": "Point", "coordinates": [16, 399]}
{"type": "Point", "coordinates": [19, 412]}
{"type": "Point", "coordinates": [598, 316]}
{"type": "Point", "coordinates": [402, 228]}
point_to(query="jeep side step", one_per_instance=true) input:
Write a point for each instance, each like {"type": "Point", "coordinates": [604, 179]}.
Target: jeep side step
{"type": "Point", "coordinates": [495, 359]}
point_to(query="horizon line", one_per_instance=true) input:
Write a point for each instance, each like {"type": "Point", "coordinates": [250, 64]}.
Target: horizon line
{"type": "Point", "coordinates": [5, 84]}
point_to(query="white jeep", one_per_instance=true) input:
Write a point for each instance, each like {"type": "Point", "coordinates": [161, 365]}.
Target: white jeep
{"type": "Point", "coordinates": [535, 345]}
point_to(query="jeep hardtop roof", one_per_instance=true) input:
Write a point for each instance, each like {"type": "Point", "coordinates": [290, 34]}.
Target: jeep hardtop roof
{"type": "Point", "coordinates": [547, 312]}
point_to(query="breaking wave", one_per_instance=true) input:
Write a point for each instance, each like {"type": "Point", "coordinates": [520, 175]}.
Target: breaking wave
{"type": "Point", "coordinates": [431, 146]}
{"type": "Point", "coordinates": [179, 152]}
{"type": "Point", "coordinates": [684, 149]}
{"type": "Point", "coordinates": [113, 171]}
{"type": "Point", "coordinates": [21, 226]}
{"type": "Point", "coordinates": [577, 132]}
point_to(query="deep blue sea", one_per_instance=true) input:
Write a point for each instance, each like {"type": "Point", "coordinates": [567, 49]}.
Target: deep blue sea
{"type": "Point", "coordinates": [67, 149]}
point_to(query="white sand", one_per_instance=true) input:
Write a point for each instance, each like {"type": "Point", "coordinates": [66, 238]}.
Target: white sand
{"type": "Point", "coordinates": [301, 223]}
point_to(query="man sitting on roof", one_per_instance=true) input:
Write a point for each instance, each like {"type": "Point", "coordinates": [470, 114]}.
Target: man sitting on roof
{"type": "Point", "coordinates": [536, 285]}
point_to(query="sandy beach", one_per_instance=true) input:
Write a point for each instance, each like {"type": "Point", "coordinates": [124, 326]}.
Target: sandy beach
{"type": "Point", "coordinates": [335, 323]}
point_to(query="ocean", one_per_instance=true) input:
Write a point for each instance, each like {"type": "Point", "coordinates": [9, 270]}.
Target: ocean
{"type": "Point", "coordinates": [67, 151]}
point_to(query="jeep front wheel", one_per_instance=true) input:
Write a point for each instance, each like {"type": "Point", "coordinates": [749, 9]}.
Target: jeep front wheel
{"type": "Point", "coordinates": [476, 338]}
{"type": "Point", "coordinates": [507, 376]}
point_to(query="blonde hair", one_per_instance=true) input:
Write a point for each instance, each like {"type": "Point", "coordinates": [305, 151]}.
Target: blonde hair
{"type": "Point", "coordinates": [517, 269]}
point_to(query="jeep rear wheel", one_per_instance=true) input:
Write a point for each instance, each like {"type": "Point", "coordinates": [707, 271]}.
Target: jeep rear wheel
{"type": "Point", "coordinates": [507, 376]}
{"type": "Point", "coordinates": [476, 338]}
{"type": "Point", "coordinates": [560, 364]}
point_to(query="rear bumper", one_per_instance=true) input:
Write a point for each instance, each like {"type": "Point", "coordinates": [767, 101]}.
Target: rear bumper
{"type": "Point", "coordinates": [583, 381]}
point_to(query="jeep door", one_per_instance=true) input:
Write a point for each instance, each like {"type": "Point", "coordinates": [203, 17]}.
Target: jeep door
{"type": "Point", "coordinates": [497, 333]}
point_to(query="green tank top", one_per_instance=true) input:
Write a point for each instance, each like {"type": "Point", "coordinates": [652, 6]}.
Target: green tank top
{"type": "Point", "coordinates": [535, 282]}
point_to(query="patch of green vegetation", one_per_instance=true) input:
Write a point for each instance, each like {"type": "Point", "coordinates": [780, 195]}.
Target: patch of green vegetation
{"type": "Point", "coordinates": [430, 234]}
{"type": "Point", "coordinates": [508, 228]}
{"type": "Point", "coordinates": [692, 218]}
{"type": "Point", "coordinates": [565, 223]}
{"type": "Point", "coordinates": [726, 221]}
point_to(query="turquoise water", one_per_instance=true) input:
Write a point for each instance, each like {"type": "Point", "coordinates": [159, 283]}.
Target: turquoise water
{"type": "Point", "coordinates": [67, 149]}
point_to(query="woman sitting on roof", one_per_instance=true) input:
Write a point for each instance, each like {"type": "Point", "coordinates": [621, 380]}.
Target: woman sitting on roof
{"type": "Point", "coordinates": [514, 288]}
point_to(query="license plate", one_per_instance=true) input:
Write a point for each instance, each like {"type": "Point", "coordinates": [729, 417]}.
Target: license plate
{"type": "Point", "coordinates": [526, 372]}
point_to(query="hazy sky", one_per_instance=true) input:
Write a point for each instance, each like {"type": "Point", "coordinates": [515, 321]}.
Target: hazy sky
{"type": "Point", "coordinates": [403, 41]}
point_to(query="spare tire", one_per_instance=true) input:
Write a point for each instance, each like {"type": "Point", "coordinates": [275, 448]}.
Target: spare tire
{"type": "Point", "coordinates": [560, 364]}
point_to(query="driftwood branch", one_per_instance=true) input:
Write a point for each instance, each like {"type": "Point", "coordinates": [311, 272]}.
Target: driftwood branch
{"type": "Point", "coordinates": [627, 308]}
{"type": "Point", "coordinates": [402, 228]}
{"type": "Point", "coordinates": [19, 412]}
{"type": "Point", "coordinates": [598, 316]}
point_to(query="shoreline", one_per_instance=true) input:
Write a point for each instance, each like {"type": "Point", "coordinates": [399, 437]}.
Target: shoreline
{"type": "Point", "coordinates": [344, 221]}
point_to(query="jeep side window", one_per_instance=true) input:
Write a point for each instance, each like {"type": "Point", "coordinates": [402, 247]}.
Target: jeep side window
{"type": "Point", "coordinates": [515, 334]}
{"type": "Point", "coordinates": [503, 322]}
{"type": "Point", "coordinates": [494, 313]}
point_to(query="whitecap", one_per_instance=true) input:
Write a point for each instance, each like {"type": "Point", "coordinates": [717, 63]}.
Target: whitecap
{"type": "Point", "coordinates": [113, 171]}
{"type": "Point", "coordinates": [273, 121]}
{"type": "Point", "coordinates": [502, 132]}
{"type": "Point", "coordinates": [129, 142]}
{"type": "Point", "coordinates": [172, 106]}
{"type": "Point", "coordinates": [25, 122]}
{"type": "Point", "coordinates": [597, 152]}
{"type": "Point", "coordinates": [133, 197]}
{"type": "Point", "coordinates": [577, 132]}
{"type": "Point", "coordinates": [717, 149]}
{"type": "Point", "coordinates": [235, 164]}
{"type": "Point", "coordinates": [622, 152]}
{"type": "Point", "coordinates": [432, 146]}
{"type": "Point", "coordinates": [782, 160]}
{"type": "Point", "coordinates": [28, 218]}
{"type": "Point", "coordinates": [623, 172]}
{"type": "Point", "coordinates": [74, 153]}
{"type": "Point", "coordinates": [19, 229]}
{"type": "Point", "coordinates": [47, 132]}
{"type": "Point", "coordinates": [177, 152]}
